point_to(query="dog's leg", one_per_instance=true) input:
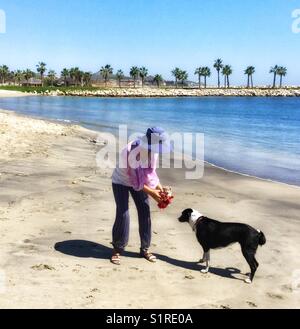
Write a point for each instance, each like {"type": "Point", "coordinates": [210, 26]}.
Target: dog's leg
{"type": "Point", "coordinates": [250, 258]}
{"type": "Point", "coordinates": [207, 259]}
{"type": "Point", "coordinates": [203, 259]}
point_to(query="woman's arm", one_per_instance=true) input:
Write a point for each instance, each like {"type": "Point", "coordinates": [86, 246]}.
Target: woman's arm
{"type": "Point", "coordinates": [159, 187]}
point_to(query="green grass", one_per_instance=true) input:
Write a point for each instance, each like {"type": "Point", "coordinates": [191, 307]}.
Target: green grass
{"type": "Point", "coordinates": [40, 90]}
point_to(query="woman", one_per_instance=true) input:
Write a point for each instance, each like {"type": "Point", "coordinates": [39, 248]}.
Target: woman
{"type": "Point", "coordinates": [136, 176]}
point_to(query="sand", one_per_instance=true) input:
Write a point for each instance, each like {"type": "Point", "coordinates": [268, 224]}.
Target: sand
{"type": "Point", "coordinates": [11, 93]}
{"type": "Point", "coordinates": [56, 215]}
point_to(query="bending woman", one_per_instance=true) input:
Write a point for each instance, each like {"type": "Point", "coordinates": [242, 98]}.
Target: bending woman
{"type": "Point", "coordinates": [137, 177]}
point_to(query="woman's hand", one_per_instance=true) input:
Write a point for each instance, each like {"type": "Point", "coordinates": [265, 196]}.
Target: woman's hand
{"type": "Point", "coordinates": [155, 194]}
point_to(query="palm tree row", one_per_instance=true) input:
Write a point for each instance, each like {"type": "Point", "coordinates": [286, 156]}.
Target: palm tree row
{"type": "Point", "coordinates": [135, 72]}
{"type": "Point", "coordinates": [226, 71]}
{"type": "Point", "coordinates": [203, 72]}
{"type": "Point", "coordinates": [180, 76]}
{"type": "Point", "coordinates": [76, 76]}
{"type": "Point", "coordinates": [278, 70]}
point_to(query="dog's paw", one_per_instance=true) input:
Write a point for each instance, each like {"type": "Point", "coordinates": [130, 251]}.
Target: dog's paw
{"type": "Point", "coordinates": [205, 271]}
{"type": "Point", "coordinates": [248, 281]}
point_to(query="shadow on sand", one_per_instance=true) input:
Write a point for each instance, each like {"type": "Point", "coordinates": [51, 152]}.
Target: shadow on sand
{"type": "Point", "coordinates": [88, 249]}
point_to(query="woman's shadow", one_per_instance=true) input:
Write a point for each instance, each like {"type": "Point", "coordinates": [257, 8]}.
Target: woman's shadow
{"type": "Point", "coordinates": [88, 249]}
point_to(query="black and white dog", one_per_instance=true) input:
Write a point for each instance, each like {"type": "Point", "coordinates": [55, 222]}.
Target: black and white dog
{"type": "Point", "coordinates": [213, 234]}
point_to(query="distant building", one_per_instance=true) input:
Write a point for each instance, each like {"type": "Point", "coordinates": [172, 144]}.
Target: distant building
{"type": "Point", "coordinates": [188, 84]}
{"type": "Point", "coordinates": [65, 82]}
{"type": "Point", "coordinates": [32, 82]}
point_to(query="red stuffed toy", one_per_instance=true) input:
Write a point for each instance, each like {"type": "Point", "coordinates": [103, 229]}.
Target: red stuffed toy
{"type": "Point", "coordinates": [167, 198]}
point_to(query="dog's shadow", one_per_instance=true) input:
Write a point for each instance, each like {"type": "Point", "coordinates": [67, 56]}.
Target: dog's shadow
{"type": "Point", "coordinates": [88, 249]}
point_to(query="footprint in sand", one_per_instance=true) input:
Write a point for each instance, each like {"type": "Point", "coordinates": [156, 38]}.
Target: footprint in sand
{"type": "Point", "coordinates": [287, 288]}
{"type": "Point", "coordinates": [43, 267]}
{"type": "Point", "coordinates": [274, 296]}
{"type": "Point", "coordinates": [189, 277]}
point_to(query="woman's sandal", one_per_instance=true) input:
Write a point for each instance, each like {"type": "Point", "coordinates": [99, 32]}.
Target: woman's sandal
{"type": "Point", "coordinates": [116, 258]}
{"type": "Point", "coordinates": [148, 256]}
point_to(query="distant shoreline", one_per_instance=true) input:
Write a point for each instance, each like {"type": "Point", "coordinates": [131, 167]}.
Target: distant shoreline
{"type": "Point", "coordinates": [159, 92]}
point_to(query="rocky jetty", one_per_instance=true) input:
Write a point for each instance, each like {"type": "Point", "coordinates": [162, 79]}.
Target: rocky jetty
{"type": "Point", "coordinates": [163, 92]}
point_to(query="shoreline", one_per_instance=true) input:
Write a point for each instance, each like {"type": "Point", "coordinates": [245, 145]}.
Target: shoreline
{"type": "Point", "coordinates": [94, 132]}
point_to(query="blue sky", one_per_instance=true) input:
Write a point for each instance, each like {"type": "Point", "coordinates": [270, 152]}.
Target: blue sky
{"type": "Point", "coordinates": [159, 34]}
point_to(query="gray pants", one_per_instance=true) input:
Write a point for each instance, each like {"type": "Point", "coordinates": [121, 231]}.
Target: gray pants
{"type": "Point", "coordinates": [121, 226]}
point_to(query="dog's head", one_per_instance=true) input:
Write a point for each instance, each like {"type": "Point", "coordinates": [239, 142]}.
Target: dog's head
{"type": "Point", "coordinates": [186, 215]}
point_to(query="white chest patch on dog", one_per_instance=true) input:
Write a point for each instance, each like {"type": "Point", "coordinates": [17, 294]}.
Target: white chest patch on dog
{"type": "Point", "coordinates": [195, 215]}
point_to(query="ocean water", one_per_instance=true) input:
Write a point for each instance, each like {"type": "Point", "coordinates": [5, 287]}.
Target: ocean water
{"type": "Point", "coordinates": [254, 136]}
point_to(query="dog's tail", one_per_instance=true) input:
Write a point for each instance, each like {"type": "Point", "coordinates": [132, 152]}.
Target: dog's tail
{"type": "Point", "coordinates": [262, 239]}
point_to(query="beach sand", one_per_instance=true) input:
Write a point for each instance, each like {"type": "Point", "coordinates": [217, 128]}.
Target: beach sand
{"type": "Point", "coordinates": [11, 93]}
{"type": "Point", "coordinates": [56, 215]}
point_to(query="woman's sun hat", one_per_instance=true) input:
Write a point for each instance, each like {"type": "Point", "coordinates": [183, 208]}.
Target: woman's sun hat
{"type": "Point", "coordinates": [156, 140]}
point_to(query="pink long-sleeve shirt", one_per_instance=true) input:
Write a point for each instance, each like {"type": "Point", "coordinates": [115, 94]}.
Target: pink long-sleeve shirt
{"type": "Point", "coordinates": [134, 173]}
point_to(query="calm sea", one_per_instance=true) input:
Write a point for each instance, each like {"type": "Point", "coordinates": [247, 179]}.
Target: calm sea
{"type": "Point", "coordinates": [255, 136]}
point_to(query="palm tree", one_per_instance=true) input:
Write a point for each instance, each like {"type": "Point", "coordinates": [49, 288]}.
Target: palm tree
{"type": "Point", "coordinates": [76, 75]}
{"type": "Point", "coordinates": [250, 70]}
{"type": "Point", "coordinates": [176, 73]}
{"type": "Point", "coordinates": [120, 76]}
{"type": "Point", "coordinates": [199, 73]}
{"type": "Point", "coordinates": [183, 77]}
{"type": "Point", "coordinates": [28, 74]}
{"type": "Point", "coordinates": [79, 77]}
{"type": "Point", "coordinates": [227, 71]}
{"type": "Point", "coordinates": [106, 71]}
{"type": "Point", "coordinates": [4, 72]}
{"type": "Point", "coordinates": [65, 73]}
{"type": "Point", "coordinates": [218, 65]}
{"type": "Point", "coordinates": [72, 74]}
{"type": "Point", "coordinates": [143, 74]}
{"type": "Point", "coordinates": [18, 75]}
{"type": "Point", "coordinates": [52, 77]}
{"type": "Point", "coordinates": [158, 79]}
{"type": "Point", "coordinates": [274, 70]}
{"type": "Point", "coordinates": [282, 72]}
{"type": "Point", "coordinates": [206, 73]}
{"type": "Point", "coordinates": [41, 69]}
{"type": "Point", "coordinates": [87, 78]}
{"type": "Point", "coordinates": [134, 73]}
{"type": "Point", "coordinates": [11, 77]}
